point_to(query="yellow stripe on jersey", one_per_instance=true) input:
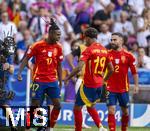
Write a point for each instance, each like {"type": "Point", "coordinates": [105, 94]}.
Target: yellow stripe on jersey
{"type": "Point", "coordinates": [84, 98]}
{"type": "Point", "coordinates": [87, 102]}
{"type": "Point", "coordinates": [82, 48]}
{"type": "Point", "coordinates": [127, 85]}
{"type": "Point", "coordinates": [34, 73]}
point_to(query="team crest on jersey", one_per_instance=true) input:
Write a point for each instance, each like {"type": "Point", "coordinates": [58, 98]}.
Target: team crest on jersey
{"type": "Point", "coordinates": [117, 61]}
{"type": "Point", "coordinates": [123, 58]}
{"type": "Point", "coordinates": [50, 54]}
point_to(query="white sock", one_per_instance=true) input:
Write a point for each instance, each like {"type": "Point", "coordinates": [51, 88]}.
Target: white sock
{"type": "Point", "coordinates": [84, 110]}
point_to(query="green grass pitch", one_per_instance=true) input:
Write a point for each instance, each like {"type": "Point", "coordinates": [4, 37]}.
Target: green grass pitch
{"type": "Point", "coordinates": [71, 128]}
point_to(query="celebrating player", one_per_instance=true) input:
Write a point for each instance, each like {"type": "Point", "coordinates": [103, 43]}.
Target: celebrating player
{"type": "Point", "coordinates": [48, 57]}
{"type": "Point", "coordinates": [118, 84]}
{"type": "Point", "coordinates": [95, 58]}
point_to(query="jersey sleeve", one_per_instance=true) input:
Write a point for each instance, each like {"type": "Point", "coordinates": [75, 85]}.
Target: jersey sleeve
{"type": "Point", "coordinates": [132, 64]}
{"type": "Point", "coordinates": [85, 55]}
{"type": "Point", "coordinates": [60, 54]}
{"type": "Point", "coordinates": [32, 50]}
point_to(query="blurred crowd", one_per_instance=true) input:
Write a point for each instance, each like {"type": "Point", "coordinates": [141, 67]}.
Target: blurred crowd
{"type": "Point", "coordinates": [29, 20]}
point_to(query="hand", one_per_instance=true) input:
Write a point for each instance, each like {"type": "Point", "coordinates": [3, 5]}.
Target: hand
{"type": "Point", "coordinates": [104, 83]}
{"type": "Point", "coordinates": [19, 77]}
{"type": "Point", "coordinates": [135, 90]}
{"type": "Point", "coordinates": [6, 66]}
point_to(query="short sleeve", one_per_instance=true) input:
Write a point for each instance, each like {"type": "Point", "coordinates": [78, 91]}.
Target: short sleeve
{"type": "Point", "coordinates": [132, 64]}
{"type": "Point", "coordinates": [85, 55]}
{"type": "Point", "coordinates": [132, 60]}
{"type": "Point", "coordinates": [60, 54]}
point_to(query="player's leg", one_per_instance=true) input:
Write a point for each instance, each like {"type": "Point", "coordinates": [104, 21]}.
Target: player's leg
{"type": "Point", "coordinates": [89, 97]}
{"type": "Point", "coordinates": [77, 110]}
{"type": "Point", "coordinates": [84, 109]}
{"type": "Point", "coordinates": [37, 92]}
{"type": "Point", "coordinates": [54, 94]}
{"type": "Point", "coordinates": [93, 94]}
{"type": "Point", "coordinates": [111, 104]}
{"type": "Point", "coordinates": [124, 103]}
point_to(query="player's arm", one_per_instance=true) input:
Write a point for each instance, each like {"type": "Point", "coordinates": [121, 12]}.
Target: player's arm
{"type": "Point", "coordinates": [22, 66]}
{"type": "Point", "coordinates": [76, 70]}
{"type": "Point", "coordinates": [30, 52]}
{"type": "Point", "coordinates": [133, 69]}
{"type": "Point", "coordinates": [59, 71]}
{"type": "Point", "coordinates": [110, 70]}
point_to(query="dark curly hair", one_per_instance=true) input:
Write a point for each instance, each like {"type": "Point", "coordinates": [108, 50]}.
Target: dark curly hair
{"type": "Point", "coordinates": [91, 32]}
{"type": "Point", "coordinates": [53, 25]}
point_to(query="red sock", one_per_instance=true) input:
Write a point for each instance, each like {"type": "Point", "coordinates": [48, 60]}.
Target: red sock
{"type": "Point", "coordinates": [54, 115]}
{"type": "Point", "coordinates": [93, 113]}
{"type": "Point", "coordinates": [124, 122]}
{"type": "Point", "coordinates": [78, 119]}
{"type": "Point", "coordinates": [111, 122]}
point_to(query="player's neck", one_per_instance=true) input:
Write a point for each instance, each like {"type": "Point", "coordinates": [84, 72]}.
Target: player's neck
{"type": "Point", "coordinates": [50, 42]}
{"type": "Point", "coordinates": [119, 49]}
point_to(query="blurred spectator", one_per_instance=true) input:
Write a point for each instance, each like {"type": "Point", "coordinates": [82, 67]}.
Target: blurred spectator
{"type": "Point", "coordinates": [19, 11]}
{"type": "Point", "coordinates": [4, 7]}
{"type": "Point", "coordinates": [22, 26]}
{"type": "Point", "coordinates": [143, 30]}
{"type": "Point", "coordinates": [143, 59]}
{"type": "Point", "coordinates": [136, 6]}
{"type": "Point", "coordinates": [118, 8]}
{"type": "Point", "coordinates": [101, 4]}
{"type": "Point", "coordinates": [124, 26]}
{"type": "Point", "coordinates": [23, 45]}
{"type": "Point", "coordinates": [6, 25]}
{"type": "Point", "coordinates": [82, 16]}
{"type": "Point", "coordinates": [39, 26]}
{"type": "Point", "coordinates": [66, 28]}
{"type": "Point", "coordinates": [134, 51]}
{"type": "Point", "coordinates": [147, 4]}
{"type": "Point", "coordinates": [104, 35]}
{"type": "Point", "coordinates": [103, 16]}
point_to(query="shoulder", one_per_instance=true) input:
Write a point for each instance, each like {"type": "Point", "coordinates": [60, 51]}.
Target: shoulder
{"type": "Point", "coordinates": [128, 54]}
{"type": "Point", "coordinates": [12, 24]}
{"type": "Point", "coordinates": [82, 47]}
{"type": "Point", "coordinates": [38, 44]}
{"type": "Point", "coordinates": [59, 45]}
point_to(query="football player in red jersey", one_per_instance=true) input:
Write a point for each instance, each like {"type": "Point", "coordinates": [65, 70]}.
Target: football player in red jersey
{"type": "Point", "coordinates": [118, 83]}
{"type": "Point", "coordinates": [47, 71]}
{"type": "Point", "coordinates": [95, 58]}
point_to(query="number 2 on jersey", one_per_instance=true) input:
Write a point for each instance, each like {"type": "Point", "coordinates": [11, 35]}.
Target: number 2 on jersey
{"type": "Point", "coordinates": [116, 68]}
{"type": "Point", "coordinates": [99, 62]}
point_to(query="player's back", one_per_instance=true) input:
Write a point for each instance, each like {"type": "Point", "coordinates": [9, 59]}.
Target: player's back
{"type": "Point", "coordinates": [121, 60]}
{"type": "Point", "coordinates": [96, 58]}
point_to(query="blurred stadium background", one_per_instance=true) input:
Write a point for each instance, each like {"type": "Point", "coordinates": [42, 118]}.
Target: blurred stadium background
{"type": "Point", "coordinates": [129, 17]}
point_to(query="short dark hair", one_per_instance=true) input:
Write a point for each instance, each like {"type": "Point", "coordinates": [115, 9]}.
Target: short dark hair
{"type": "Point", "coordinates": [118, 34]}
{"type": "Point", "coordinates": [53, 25]}
{"type": "Point", "coordinates": [91, 32]}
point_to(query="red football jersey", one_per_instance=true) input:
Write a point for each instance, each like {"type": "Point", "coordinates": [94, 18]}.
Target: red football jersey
{"type": "Point", "coordinates": [122, 61]}
{"type": "Point", "coordinates": [46, 60]}
{"type": "Point", "coordinates": [96, 58]}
